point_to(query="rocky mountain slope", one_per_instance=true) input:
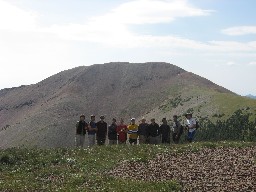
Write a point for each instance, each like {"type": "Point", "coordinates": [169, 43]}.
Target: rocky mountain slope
{"type": "Point", "coordinates": [44, 114]}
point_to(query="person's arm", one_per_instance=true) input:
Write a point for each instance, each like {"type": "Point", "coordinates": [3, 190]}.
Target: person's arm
{"type": "Point", "coordinates": [126, 129]}
{"type": "Point", "coordinates": [139, 130]}
{"type": "Point", "coordinates": [89, 128]}
{"type": "Point", "coordinates": [77, 125]}
{"type": "Point", "coordinates": [106, 129]}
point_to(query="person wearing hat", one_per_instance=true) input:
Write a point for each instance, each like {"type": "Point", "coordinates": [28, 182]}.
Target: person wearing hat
{"type": "Point", "coordinates": [166, 132]}
{"type": "Point", "coordinates": [191, 126]}
{"type": "Point", "coordinates": [92, 131]}
{"type": "Point", "coordinates": [132, 132]}
{"type": "Point", "coordinates": [101, 134]}
{"type": "Point", "coordinates": [81, 127]}
{"type": "Point", "coordinates": [143, 131]}
{"type": "Point", "coordinates": [154, 132]}
{"type": "Point", "coordinates": [112, 134]}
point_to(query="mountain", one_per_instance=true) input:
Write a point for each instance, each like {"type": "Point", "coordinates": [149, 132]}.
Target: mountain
{"type": "Point", "coordinates": [251, 96]}
{"type": "Point", "coordinates": [44, 114]}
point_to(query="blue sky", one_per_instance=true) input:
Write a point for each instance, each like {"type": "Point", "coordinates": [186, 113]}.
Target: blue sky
{"type": "Point", "coordinates": [215, 39]}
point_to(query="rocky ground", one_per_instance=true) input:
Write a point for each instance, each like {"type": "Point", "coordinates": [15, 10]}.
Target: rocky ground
{"type": "Point", "coordinates": [209, 169]}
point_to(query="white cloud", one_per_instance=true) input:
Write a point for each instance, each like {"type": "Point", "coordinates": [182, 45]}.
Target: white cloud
{"type": "Point", "coordinates": [240, 30]}
{"type": "Point", "coordinates": [231, 63]}
{"type": "Point", "coordinates": [112, 28]}
{"type": "Point", "coordinates": [151, 11]}
{"type": "Point", "coordinates": [252, 63]}
{"type": "Point", "coordinates": [14, 18]}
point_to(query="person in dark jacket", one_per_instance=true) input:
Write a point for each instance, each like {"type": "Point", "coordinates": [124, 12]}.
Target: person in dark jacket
{"type": "Point", "coordinates": [166, 132]}
{"type": "Point", "coordinates": [154, 132]}
{"type": "Point", "coordinates": [112, 134]}
{"type": "Point", "coordinates": [102, 131]}
{"type": "Point", "coordinates": [81, 127]}
{"type": "Point", "coordinates": [143, 131]}
{"type": "Point", "coordinates": [177, 130]}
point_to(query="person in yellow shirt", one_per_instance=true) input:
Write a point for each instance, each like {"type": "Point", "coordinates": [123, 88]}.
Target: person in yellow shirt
{"type": "Point", "coordinates": [132, 132]}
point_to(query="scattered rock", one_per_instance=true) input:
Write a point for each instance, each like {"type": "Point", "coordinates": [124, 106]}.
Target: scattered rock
{"type": "Point", "coordinates": [221, 169]}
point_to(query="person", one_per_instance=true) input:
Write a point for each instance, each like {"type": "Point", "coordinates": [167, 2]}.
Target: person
{"type": "Point", "coordinates": [191, 126]}
{"type": "Point", "coordinates": [92, 131]}
{"type": "Point", "coordinates": [81, 127]}
{"type": "Point", "coordinates": [112, 134]}
{"type": "Point", "coordinates": [154, 132]}
{"type": "Point", "coordinates": [143, 131]}
{"type": "Point", "coordinates": [102, 131]}
{"type": "Point", "coordinates": [132, 131]}
{"type": "Point", "coordinates": [166, 132]}
{"type": "Point", "coordinates": [177, 130]}
{"type": "Point", "coordinates": [122, 132]}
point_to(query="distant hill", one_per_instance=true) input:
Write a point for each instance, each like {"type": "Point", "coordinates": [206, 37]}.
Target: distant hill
{"type": "Point", "coordinates": [44, 114]}
{"type": "Point", "coordinates": [251, 96]}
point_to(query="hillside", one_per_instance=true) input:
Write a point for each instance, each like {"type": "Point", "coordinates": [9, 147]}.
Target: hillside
{"type": "Point", "coordinates": [44, 114]}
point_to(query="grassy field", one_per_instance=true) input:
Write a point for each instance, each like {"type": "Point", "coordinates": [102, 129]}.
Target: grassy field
{"type": "Point", "coordinates": [86, 169]}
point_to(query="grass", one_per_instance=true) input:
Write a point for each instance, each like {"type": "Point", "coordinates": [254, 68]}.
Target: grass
{"type": "Point", "coordinates": [24, 169]}
{"type": "Point", "coordinates": [229, 103]}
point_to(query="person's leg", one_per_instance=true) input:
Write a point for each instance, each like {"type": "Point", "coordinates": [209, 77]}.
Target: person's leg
{"type": "Point", "coordinates": [90, 140]}
{"type": "Point", "coordinates": [153, 140]}
{"type": "Point", "coordinates": [82, 140]}
{"type": "Point", "coordinates": [190, 136]}
{"type": "Point", "coordinates": [142, 139]}
{"type": "Point", "coordinates": [112, 142]}
{"type": "Point", "coordinates": [178, 138]}
{"type": "Point", "coordinates": [174, 137]}
{"type": "Point", "coordinates": [94, 140]}
{"type": "Point", "coordinates": [159, 139]}
{"type": "Point", "coordinates": [99, 141]}
{"type": "Point", "coordinates": [77, 140]}
{"type": "Point", "coordinates": [150, 140]}
{"type": "Point", "coordinates": [193, 135]}
{"type": "Point", "coordinates": [103, 141]}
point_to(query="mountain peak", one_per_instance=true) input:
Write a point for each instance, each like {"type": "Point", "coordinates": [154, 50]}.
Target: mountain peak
{"type": "Point", "coordinates": [44, 114]}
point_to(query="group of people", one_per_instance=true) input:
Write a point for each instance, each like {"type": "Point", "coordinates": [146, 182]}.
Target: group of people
{"type": "Point", "coordinates": [144, 133]}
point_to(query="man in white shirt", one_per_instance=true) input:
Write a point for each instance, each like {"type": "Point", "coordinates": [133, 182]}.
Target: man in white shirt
{"type": "Point", "coordinates": [191, 126]}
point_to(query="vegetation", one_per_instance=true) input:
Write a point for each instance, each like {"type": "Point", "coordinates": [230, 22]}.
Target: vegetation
{"type": "Point", "coordinates": [74, 169]}
{"type": "Point", "coordinates": [239, 127]}
{"type": "Point", "coordinates": [24, 169]}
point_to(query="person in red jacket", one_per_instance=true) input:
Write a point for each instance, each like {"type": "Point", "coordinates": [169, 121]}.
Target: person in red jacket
{"type": "Point", "coordinates": [122, 132]}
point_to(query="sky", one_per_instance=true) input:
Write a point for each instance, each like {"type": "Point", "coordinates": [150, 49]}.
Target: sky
{"type": "Point", "coordinates": [215, 39]}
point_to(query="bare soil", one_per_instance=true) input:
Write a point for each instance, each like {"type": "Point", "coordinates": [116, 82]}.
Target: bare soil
{"type": "Point", "coordinates": [209, 169]}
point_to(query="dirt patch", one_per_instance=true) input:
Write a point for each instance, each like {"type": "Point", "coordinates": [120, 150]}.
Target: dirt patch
{"type": "Point", "coordinates": [218, 169]}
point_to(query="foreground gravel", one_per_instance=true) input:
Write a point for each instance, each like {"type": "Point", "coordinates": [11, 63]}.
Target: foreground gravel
{"type": "Point", "coordinates": [218, 169]}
